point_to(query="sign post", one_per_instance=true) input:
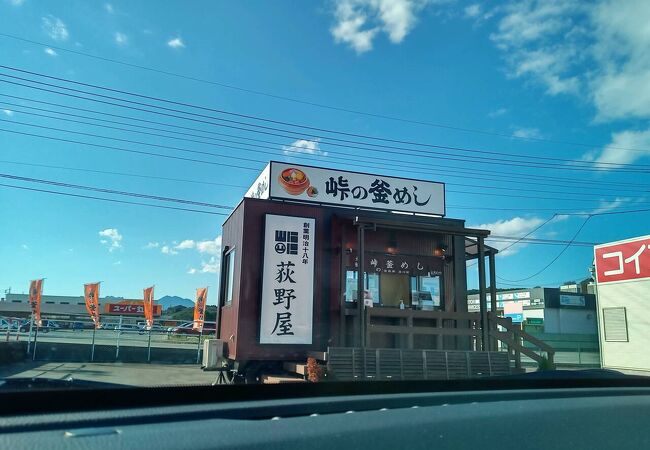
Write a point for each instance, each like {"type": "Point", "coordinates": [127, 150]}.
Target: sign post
{"type": "Point", "coordinates": [149, 347]}
{"type": "Point", "coordinates": [117, 346]}
{"type": "Point", "coordinates": [29, 337]}
{"type": "Point", "coordinates": [92, 351]}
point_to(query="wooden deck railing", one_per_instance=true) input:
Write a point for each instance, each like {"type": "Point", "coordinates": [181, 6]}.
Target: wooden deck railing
{"type": "Point", "coordinates": [514, 336]}
{"type": "Point", "coordinates": [456, 324]}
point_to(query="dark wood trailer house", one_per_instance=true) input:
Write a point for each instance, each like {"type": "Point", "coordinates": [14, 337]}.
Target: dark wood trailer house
{"type": "Point", "coordinates": [362, 271]}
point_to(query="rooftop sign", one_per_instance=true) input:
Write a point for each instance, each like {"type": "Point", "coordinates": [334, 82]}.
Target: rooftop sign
{"type": "Point", "coordinates": [626, 260]}
{"type": "Point", "coordinates": [343, 188]}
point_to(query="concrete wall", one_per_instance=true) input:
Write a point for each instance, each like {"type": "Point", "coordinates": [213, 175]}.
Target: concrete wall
{"type": "Point", "coordinates": [570, 321]}
{"type": "Point", "coordinates": [634, 297]}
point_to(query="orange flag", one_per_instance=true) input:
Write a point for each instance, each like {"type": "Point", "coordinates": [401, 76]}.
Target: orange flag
{"type": "Point", "coordinates": [35, 291]}
{"type": "Point", "coordinates": [91, 295]}
{"type": "Point", "coordinates": [199, 308]}
{"type": "Point", "coordinates": [148, 307]}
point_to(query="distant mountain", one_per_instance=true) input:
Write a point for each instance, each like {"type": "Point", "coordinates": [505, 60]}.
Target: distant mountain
{"type": "Point", "coordinates": [171, 300]}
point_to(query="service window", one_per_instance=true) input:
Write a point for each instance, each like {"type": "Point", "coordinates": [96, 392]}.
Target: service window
{"type": "Point", "coordinates": [371, 284]}
{"type": "Point", "coordinates": [229, 269]}
{"type": "Point", "coordinates": [425, 292]}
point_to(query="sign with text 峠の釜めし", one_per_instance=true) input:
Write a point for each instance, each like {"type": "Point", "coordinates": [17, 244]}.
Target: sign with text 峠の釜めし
{"type": "Point", "coordinates": [339, 187]}
{"type": "Point", "coordinates": [288, 280]}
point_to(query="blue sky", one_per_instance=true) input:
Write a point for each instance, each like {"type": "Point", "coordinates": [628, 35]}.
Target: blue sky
{"type": "Point", "coordinates": [559, 71]}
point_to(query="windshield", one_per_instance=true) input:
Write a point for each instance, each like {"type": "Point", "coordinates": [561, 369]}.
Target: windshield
{"type": "Point", "coordinates": [342, 190]}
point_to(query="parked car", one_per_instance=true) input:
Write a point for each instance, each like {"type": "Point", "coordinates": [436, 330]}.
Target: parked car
{"type": "Point", "coordinates": [187, 328]}
{"type": "Point", "coordinates": [142, 328]}
{"type": "Point", "coordinates": [81, 326]}
{"type": "Point", "coordinates": [4, 324]}
{"type": "Point", "coordinates": [184, 324]}
{"type": "Point", "coordinates": [46, 326]}
{"type": "Point", "coordinates": [107, 326]}
{"type": "Point", "coordinates": [126, 328]}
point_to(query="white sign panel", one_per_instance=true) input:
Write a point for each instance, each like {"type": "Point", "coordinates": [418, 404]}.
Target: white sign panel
{"type": "Point", "coordinates": [260, 188]}
{"type": "Point", "coordinates": [288, 280]}
{"type": "Point", "coordinates": [338, 187]}
{"type": "Point", "coordinates": [572, 300]}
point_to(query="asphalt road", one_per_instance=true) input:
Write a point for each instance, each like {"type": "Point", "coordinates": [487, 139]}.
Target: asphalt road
{"type": "Point", "coordinates": [118, 373]}
{"type": "Point", "coordinates": [110, 337]}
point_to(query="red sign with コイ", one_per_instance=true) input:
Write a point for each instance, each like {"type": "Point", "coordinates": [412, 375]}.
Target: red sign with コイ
{"type": "Point", "coordinates": [623, 261]}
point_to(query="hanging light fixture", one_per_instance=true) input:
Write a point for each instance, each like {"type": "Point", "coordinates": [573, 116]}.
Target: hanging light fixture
{"type": "Point", "coordinates": [440, 250]}
{"type": "Point", "coordinates": [392, 243]}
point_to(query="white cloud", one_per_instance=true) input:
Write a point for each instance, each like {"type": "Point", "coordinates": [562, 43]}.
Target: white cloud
{"type": "Point", "coordinates": [610, 205]}
{"type": "Point", "coordinates": [515, 227]}
{"type": "Point", "coordinates": [117, 263]}
{"type": "Point", "coordinates": [8, 112]}
{"type": "Point", "coordinates": [310, 147]}
{"type": "Point", "coordinates": [167, 250]}
{"type": "Point", "coordinates": [358, 22]}
{"type": "Point", "coordinates": [212, 266]}
{"type": "Point", "coordinates": [596, 51]}
{"type": "Point", "coordinates": [497, 112]}
{"type": "Point", "coordinates": [473, 10]}
{"type": "Point", "coordinates": [152, 245]}
{"type": "Point", "coordinates": [192, 271]}
{"type": "Point", "coordinates": [176, 42]}
{"type": "Point", "coordinates": [615, 151]}
{"type": "Point", "coordinates": [210, 247]}
{"type": "Point", "coordinates": [50, 51]}
{"type": "Point", "coordinates": [16, 2]}
{"type": "Point", "coordinates": [109, 8]}
{"type": "Point", "coordinates": [24, 246]}
{"type": "Point", "coordinates": [55, 28]}
{"type": "Point", "coordinates": [121, 38]}
{"type": "Point", "coordinates": [185, 244]}
{"type": "Point", "coordinates": [114, 241]}
{"type": "Point", "coordinates": [527, 133]}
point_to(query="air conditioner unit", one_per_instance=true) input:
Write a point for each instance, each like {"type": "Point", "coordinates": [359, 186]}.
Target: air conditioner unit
{"type": "Point", "coordinates": [215, 354]}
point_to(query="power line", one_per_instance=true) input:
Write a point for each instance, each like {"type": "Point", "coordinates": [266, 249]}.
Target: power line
{"type": "Point", "coordinates": [109, 147]}
{"type": "Point", "coordinates": [568, 244]}
{"type": "Point", "coordinates": [111, 191]}
{"type": "Point", "coordinates": [316, 104]}
{"type": "Point", "coordinates": [182, 180]}
{"type": "Point", "coordinates": [110, 200]}
{"type": "Point", "coordinates": [574, 164]}
{"type": "Point", "coordinates": [125, 174]}
{"type": "Point", "coordinates": [510, 174]}
{"type": "Point", "coordinates": [537, 228]}
{"type": "Point", "coordinates": [237, 158]}
{"type": "Point", "coordinates": [295, 152]}
{"type": "Point", "coordinates": [184, 201]}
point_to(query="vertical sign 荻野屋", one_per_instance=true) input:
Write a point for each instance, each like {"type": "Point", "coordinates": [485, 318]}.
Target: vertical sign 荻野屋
{"type": "Point", "coordinates": [288, 280]}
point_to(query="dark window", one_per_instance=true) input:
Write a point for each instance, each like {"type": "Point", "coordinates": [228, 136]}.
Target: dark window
{"type": "Point", "coordinates": [229, 270]}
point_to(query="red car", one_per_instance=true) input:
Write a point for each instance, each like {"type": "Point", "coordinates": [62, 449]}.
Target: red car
{"type": "Point", "coordinates": [186, 328]}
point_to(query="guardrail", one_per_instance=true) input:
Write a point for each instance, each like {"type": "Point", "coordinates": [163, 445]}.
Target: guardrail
{"type": "Point", "coordinates": [117, 339]}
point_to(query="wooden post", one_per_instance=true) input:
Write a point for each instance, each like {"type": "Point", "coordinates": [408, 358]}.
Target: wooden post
{"type": "Point", "coordinates": [361, 283]}
{"type": "Point", "coordinates": [493, 300]}
{"type": "Point", "coordinates": [409, 336]}
{"type": "Point", "coordinates": [482, 296]}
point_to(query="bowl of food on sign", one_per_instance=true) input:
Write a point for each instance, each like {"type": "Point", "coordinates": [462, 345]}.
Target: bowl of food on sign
{"type": "Point", "coordinates": [294, 181]}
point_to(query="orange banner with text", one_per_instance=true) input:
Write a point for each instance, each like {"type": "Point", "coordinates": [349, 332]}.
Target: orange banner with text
{"type": "Point", "coordinates": [91, 295]}
{"type": "Point", "coordinates": [199, 308]}
{"type": "Point", "coordinates": [148, 307]}
{"type": "Point", "coordinates": [35, 292]}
